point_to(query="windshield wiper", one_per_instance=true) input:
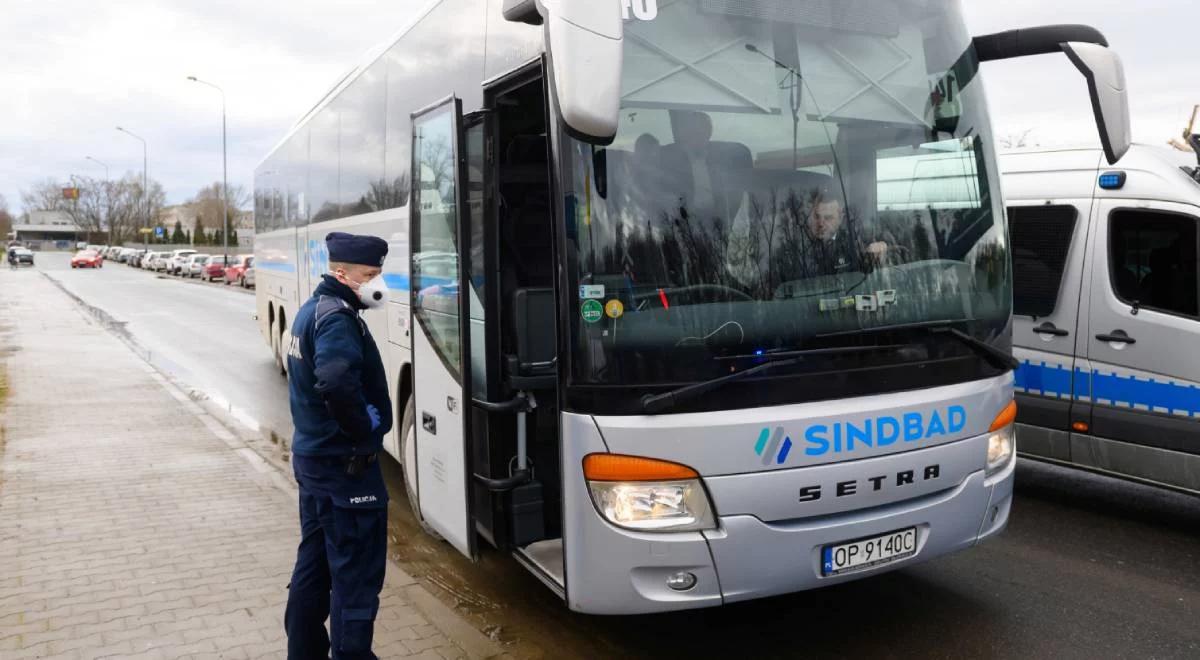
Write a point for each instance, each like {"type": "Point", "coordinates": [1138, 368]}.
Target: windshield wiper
{"type": "Point", "coordinates": [990, 353]}
{"type": "Point", "coordinates": [656, 403]}
{"type": "Point", "coordinates": [812, 352]}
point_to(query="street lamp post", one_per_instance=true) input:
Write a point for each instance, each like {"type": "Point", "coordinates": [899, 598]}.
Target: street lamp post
{"type": "Point", "coordinates": [107, 193]}
{"type": "Point", "coordinates": [224, 168]}
{"type": "Point", "coordinates": [101, 164]}
{"type": "Point", "coordinates": [145, 188]}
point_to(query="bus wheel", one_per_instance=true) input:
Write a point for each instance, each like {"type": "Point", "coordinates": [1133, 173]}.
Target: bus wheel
{"type": "Point", "coordinates": [408, 449]}
{"type": "Point", "coordinates": [279, 363]}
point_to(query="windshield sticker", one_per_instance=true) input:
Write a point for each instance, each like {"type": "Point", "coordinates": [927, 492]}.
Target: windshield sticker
{"type": "Point", "coordinates": [591, 311]}
{"type": "Point", "coordinates": [642, 10]}
{"type": "Point", "coordinates": [591, 292]}
{"type": "Point", "coordinates": [831, 305]}
{"type": "Point", "coordinates": [615, 309]}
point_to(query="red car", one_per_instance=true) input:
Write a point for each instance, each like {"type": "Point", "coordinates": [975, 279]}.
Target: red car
{"type": "Point", "coordinates": [87, 259]}
{"type": "Point", "coordinates": [214, 268]}
{"type": "Point", "coordinates": [236, 272]}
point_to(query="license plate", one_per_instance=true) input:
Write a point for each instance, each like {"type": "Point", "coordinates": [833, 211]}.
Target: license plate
{"type": "Point", "coordinates": [868, 553]}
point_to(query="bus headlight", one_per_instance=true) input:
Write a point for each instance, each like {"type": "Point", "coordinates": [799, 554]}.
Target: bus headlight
{"type": "Point", "coordinates": [1002, 440]}
{"type": "Point", "coordinates": [664, 506]}
{"type": "Point", "coordinates": [1002, 445]}
{"type": "Point", "coordinates": [646, 494]}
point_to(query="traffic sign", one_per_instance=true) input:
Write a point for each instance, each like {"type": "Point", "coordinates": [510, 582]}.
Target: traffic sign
{"type": "Point", "coordinates": [145, 230]}
{"type": "Point", "coordinates": [159, 232]}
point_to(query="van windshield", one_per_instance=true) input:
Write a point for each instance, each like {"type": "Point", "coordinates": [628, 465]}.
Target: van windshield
{"type": "Point", "coordinates": [781, 179]}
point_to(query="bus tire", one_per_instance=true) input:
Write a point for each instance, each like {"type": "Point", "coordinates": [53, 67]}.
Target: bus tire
{"type": "Point", "coordinates": [408, 439]}
{"type": "Point", "coordinates": [278, 350]}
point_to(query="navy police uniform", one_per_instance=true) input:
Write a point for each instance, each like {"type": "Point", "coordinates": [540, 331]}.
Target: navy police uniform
{"type": "Point", "coordinates": [341, 410]}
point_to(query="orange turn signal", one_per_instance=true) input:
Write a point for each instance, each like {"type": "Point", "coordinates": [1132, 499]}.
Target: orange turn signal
{"type": "Point", "coordinates": [1006, 417]}
{"type": "Point", "coordinates": [1080, 427]}
{"type": "Point", "coordinates": [617, 467]}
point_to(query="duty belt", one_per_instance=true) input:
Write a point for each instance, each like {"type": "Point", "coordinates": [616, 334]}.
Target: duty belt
{"type": "Point", "coordinates": [355, 465]}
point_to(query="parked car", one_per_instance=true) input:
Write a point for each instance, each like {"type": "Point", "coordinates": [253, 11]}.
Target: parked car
{"type": "Point", "coordinates": [24, 255]}
{"type": "Point", "coordinates": [214, 268]}
{"type": "Point", "coordinates": [178, 261]}
{"type": "Point", "coordinates": [150, 258]}
{"type": "Point", "coordinates": [236, 269]}
{"type": "Point", "coordinates": [162, 262]}
{"type": "Point", "coordinates": [194, 265]}
{"type": "Point", "coordinates": [125, 254]}
{"type": "Point", "coordinates": [248, 277]}
{"type": "Point", "coordinates": [87, 259]}
{"type": "Point", "coordinates": [81, 245]}
{"type": "Point", "coordinates": [113, 253]}
{"type": "Point", "coordinates": [135, 259]}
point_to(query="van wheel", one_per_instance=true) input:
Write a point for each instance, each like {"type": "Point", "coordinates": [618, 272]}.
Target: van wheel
{"type": "Point", "coordinates": [408, 450]}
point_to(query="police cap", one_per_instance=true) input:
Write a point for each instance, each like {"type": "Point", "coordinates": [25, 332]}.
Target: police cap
{"type": "Point", "coordinates": [351, 249]}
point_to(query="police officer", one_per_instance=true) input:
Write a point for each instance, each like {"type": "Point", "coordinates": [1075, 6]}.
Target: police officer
{"type": "Point", "coordinates": [341, 411]}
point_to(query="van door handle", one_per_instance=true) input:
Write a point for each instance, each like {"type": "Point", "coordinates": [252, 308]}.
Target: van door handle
{"type": "Point", "coordinates": [1049, 328]}
{"type": "Point", "coordinates": [1117, 337]}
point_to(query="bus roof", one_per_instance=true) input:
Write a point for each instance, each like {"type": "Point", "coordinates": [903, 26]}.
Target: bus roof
{"type": "Point", "coordinates": [369, 57]}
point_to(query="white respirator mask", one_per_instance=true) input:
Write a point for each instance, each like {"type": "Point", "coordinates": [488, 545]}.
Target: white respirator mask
{"type": "Point", "coordinates": [373, 293]}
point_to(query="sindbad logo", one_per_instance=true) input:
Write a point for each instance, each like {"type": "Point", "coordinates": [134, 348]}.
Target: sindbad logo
{"type": "Point", "coordinates": [845, 437]}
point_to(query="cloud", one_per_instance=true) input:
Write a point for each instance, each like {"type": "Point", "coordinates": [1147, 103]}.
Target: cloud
{"type": "Point", "coordinates": [73, 70]}
{"type": "Point", "coordinates": [1047, 94]}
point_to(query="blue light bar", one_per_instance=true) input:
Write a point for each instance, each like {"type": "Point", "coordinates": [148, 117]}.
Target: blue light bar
{"type": "Point", "coordinates": [1112, 180]}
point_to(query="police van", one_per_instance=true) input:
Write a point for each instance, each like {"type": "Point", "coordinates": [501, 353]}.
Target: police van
{"type": "Point", "coordinates": [1106, 315]}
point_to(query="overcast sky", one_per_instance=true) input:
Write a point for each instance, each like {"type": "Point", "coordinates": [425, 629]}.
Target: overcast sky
{"type": "Point", "coordinates": [72, 70]}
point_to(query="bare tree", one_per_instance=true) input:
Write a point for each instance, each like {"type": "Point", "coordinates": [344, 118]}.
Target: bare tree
{"type": "Point", "coordinates": [1018, 140]}
{"type": "Point", "coordinates": [208, 203]}
{"type": "Point", "coordinates": [6, 219]}
{"type": "Point", "coordinates": [117, 208]}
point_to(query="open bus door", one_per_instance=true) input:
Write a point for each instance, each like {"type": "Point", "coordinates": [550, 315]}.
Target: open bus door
{"type": "Point", "coordinates": [441, 347]}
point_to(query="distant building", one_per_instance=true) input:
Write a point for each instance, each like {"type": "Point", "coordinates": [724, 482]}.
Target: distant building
{"type": "Point", "coordinates": [49, 226]}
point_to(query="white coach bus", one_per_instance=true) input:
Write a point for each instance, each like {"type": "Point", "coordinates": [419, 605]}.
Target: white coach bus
{"type": "Point", "coordinates": [619, 350]}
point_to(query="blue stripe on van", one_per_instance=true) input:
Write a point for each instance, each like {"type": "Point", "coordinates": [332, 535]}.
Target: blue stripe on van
{"type": "Point", "coordinates": [1055, 380]}
{"type": "Point", "coordinates": [280, 268]}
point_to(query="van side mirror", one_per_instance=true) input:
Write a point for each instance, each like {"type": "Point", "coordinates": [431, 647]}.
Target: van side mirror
{"type": "Point", "coordinates": [1088, 50]}
{"type": "Point", "coordinates": [586, 51]}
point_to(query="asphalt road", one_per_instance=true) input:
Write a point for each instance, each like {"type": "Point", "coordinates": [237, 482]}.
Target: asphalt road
{"type": "Point", "coordinates": [1090, 567]}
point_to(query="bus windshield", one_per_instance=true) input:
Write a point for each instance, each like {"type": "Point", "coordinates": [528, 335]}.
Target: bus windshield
{"type": "Point", "coordinates": [786, 174]}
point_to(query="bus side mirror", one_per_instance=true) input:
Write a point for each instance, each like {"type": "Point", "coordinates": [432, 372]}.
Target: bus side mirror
{"type": "Point", "coordinates": [521, 11]}
{"type": "Point", "coordinates": [586, 39]}
{"type": "Point", "coordinates": [1088, 50]}
{"type": "Point", "coordinates": [1110, 96]}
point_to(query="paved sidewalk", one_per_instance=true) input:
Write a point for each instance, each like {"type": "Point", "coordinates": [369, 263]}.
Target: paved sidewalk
{"type": "Point", "coordinates": [131, 523]}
